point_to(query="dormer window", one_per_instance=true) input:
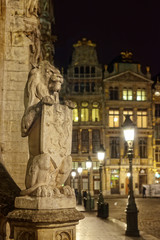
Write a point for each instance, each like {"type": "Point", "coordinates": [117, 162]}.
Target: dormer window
{"type": "Point", "coordinates": [113, 93]}
{"type": "Point", "coordinates": [141, 95]}
{"type": "Point", "coordinates": [127, 94]}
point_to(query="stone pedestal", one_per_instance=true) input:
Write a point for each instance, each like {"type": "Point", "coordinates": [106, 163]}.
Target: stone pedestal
{"type": "Point", "coordinates": [44, 224]}
{"type": "Point", "coordinates": [47, 203]}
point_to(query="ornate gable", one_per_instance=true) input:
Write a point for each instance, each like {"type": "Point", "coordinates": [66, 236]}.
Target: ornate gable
{"type": "Point", "coordinates": [128, 77]}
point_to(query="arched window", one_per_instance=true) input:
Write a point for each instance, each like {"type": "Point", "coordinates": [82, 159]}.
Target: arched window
{"type": "Point", "coordinates": [75, 113]}
{"type": "Point", "coordinates": [95, 112]}
{"type": "Point", "coordinates": [84, 112]}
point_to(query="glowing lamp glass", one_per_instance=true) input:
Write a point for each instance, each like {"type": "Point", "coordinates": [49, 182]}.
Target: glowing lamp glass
{"type": "Point", "coordinates": [73, 174]}
{"type": "Point", "coordinates": [129, 134]}
{"type": "Point", "coordinates": [88, 164]}
{"type": "Point", "coordinates": [128, 174]}
{"type": "Point", "coordinates": [79, 170]}
{"type": "Point", "coordinates": [101, 156]}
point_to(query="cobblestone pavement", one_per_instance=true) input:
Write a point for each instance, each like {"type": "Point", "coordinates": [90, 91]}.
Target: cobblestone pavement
{"type": "Point", "coordinates": [148, 217]}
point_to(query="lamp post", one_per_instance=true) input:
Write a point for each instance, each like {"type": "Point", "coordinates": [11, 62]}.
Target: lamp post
{"type": "Point", "coordinates": [88, 165]}
{"type": "Point", "coordinates": [73, 173]}
{"type": "Point", "coordinates": [80, 169]}
{"type": "Point", "coordinates": [131, 209]}
{"type": "Point", "coordinates": [101, 156]}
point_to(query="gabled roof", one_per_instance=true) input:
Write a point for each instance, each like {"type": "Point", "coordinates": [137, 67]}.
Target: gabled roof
{"type": "Point", "coordinates": [128, 75]}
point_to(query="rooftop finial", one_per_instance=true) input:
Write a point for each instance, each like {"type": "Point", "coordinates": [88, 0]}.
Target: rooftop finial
{"type": "Point", "coordinates": [126, 56]}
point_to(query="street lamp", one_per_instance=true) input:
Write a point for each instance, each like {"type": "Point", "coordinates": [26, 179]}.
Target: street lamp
{"type": "Point", "coordinates": [73, 173]}
{"type": "Point", "coordinates": [100, 156]}
{"type": "Point", "coordinates": [88, 165]}
{"type": "Point", "coordinates": [80, 169]}
{"type": "Point", "coordinates": [131, 209]}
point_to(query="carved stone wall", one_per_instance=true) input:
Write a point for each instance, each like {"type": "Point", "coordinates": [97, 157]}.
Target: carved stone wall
{"type": "Point", "coordinates": [18, 45]}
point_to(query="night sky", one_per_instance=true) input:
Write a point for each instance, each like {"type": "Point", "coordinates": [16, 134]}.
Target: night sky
{"type": "Point", "coordinates": [115, 25]}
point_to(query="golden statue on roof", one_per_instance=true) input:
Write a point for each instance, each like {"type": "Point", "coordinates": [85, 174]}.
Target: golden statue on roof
{"type": "Point", "coordinates": [84, 41]}
{"type": "Point", "coordinates": [127, 56]}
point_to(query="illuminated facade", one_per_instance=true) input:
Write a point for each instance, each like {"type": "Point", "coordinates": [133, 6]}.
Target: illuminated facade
{"type": "Point", "coordinates": [102, 100]}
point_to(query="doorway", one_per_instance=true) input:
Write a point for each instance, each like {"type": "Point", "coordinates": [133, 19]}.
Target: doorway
{"type": "Point", "coordinates": [115, 181]}
{"type": "Point", "coordinates": [142, 180]}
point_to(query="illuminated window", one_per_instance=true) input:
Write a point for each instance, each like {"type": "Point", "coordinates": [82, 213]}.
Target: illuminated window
{"type": "Point", "coordinates": [127, 94]}
{"type": "Point", "coordinates": [95, 112]}
{"type": "Point", "coordinates": [75, 113]}
{"type": "Point", "coordinates": [157, 154]}
{"type": "Point", "coordinates": [127, 112]}
{"type": "Point", "coordinates": [142, 147]}
{"type": "Point", "coordinates": [74, 165]}
{"type": "Point", "coordinates": [113, 93]}
{"type": "Point", "coordinates": [95, 165]}
{"type": "Point", "coordinates": [114, 147]}
{"type": "Point", "coordinates": [141, 119]}
{"type": "Point", "coordinates": [84, 112]}
{"type": "Point", "coordinates": [113, 118]}
{"type": "Point", "coordinates": [141, 95]}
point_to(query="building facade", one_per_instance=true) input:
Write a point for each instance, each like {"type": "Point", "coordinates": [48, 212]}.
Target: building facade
{"type": "Point", "coordinates": [102, 100]}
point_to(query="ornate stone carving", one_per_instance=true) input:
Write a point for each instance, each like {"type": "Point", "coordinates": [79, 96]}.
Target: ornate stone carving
{"type": "Point", "coordinates": [32, 7]}
{"type": "Point", "coordinates": [43, 86]}
{"type": "Point", "coordinates": [35, 47]}
{"type": "Point", "coordinates": [48, 125]}
{"type": "Point", "coordinates": [63, 236]}
{"type": "Point", "coordinates": [46, 25]}
{"type": "Point", "coordinates": [26, 236]}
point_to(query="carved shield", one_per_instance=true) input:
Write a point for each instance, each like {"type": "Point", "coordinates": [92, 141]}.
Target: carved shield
{"type": "Point", "coordinates": [56, 132]}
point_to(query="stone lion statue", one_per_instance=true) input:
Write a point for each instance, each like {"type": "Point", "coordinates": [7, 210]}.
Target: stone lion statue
{"type": "Point", "coordinates": [47, 169]}
{"type": "Point", "coordinates": [43, 86]}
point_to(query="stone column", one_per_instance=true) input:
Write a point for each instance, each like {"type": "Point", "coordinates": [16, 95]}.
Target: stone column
{"type": "Point", "coordinates": [91, 183]}
{"type": "Point", "coordinates": [90, 141]}
{"type": "Point", "coordinates": [79, 141]}
{"type": "Point", "coordinates": [103, 179]}
{"type": "Point", "coordinates": [136, 181]}
{"type": "Point", "coordinates": [150, 150]}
